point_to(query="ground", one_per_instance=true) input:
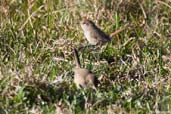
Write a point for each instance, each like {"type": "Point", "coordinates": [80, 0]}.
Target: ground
{"type": "Point", "coordinates": [36, 59]}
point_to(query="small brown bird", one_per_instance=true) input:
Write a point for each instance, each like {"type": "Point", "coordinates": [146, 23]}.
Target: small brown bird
{"type": "Point", "coordinates": [82, 76]}
{"type": "Point", "coordinates": [93, 34]}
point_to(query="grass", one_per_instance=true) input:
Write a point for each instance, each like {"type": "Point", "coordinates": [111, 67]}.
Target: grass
{"type": "Point", "coordinates": [36, 61]}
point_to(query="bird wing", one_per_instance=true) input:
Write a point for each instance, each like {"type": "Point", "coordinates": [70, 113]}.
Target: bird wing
{"type": "Point", "coordinates": [100, 35]}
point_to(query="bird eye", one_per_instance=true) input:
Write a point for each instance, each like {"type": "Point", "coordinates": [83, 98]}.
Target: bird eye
{"type": "Point", "coordinates": [84, 22]}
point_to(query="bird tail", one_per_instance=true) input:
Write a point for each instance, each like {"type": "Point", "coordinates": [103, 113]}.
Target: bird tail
{"type": "Point", "coordinates": [77, 60]}
{"type": "Point", "coordinates": [119, 30]}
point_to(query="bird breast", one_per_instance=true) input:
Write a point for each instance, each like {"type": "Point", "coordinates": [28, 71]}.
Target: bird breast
{"type": "Point", "coordinates": [91, 39]}
{"type": "Point", "coordinates": [82, 77]}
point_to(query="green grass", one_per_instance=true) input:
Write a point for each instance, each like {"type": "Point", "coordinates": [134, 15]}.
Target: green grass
{"type": "Point", "coordinates": [36, 61]}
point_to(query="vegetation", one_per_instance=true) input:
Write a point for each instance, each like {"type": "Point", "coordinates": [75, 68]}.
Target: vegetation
{"type": "Point", "coordinates": [36, 60]}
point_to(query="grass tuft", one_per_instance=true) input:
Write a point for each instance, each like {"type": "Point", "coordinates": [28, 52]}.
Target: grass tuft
{"type": "Point", "coordinates": [36, 60]}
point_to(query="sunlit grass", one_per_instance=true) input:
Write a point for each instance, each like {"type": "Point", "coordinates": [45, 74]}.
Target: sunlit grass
{"type": "Point", "coordinates": [36, 60]}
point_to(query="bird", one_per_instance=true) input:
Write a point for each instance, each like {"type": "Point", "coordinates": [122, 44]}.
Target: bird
{"type": "Point", "coordinates": [93, 34]}
{"type": "Point", "coordinates": [83, 77]}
